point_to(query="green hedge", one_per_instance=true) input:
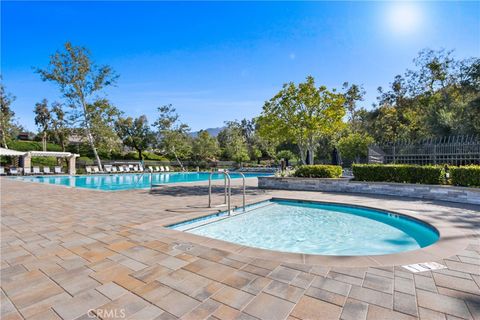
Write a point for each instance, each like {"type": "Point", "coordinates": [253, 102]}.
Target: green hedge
{"type": "Point", "coordinates": [399, 173]}
{"type": "Point", "coordinates": [44, 161]}
{"type": "Point", "coordinates": [20, 145]}
{"type": "Point", "coordinates": [319, 171]}
{"type": "Point", "coordinates": [468, 176]}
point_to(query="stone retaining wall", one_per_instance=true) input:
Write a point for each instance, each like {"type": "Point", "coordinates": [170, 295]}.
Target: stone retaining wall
{"type": "Point", "coordinates": [432, 192]}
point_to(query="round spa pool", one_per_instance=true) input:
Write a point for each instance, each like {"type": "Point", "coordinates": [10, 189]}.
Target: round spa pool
{"type": "Point", "coordinates": [319, 228]}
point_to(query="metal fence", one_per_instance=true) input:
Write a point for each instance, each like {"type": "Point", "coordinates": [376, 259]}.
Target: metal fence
{"type": "Point", "coordinates": [453, 150]}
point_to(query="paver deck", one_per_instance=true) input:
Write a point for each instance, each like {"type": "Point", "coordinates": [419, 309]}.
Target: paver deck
{"type": "Point", "coordinates": [71, 253]}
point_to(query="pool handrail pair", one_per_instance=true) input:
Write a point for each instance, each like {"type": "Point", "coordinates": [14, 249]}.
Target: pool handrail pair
{"type": "Point", "coordinates": [227, 189]}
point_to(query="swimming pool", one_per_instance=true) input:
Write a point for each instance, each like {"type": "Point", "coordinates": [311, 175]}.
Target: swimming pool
{"type": "Point", "coordinates": [115, 182]}
{"type": "Point", "coordinates": [316, 228]}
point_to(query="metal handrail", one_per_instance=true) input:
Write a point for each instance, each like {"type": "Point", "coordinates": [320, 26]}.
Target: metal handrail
{"type": "Point", "coordinates": [227, 195]}
{"type": "Point", "coordinates": [140, 178]}
{"type": "Point", "coordinates": [243, 177]}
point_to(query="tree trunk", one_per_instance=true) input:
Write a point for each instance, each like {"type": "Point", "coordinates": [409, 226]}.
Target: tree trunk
{"type": "Point", "coordinates": [89, 135]}
{"type": "Point", "coordinates": [44, 141]}
{"type": "Point", "coordinates": [303, 155]}
{"type": "Point", "coordinates": [4, 139]}
{"type": "Point", "coordinates": [92, 145]}
{"type": "Point", "coordinates": [310, 155]}
{"type": "Point", "coordinates": [140, 155]}
{"type": "Point", "coordinates": [178, 160]}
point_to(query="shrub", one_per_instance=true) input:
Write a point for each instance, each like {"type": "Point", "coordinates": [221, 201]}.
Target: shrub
{"type": "Point", "coordinates": [44, 161]}
{"type": "Point", "coordinates": [153, 156]}
{"type": "Point", "coordinates": [319, 171]}
{"type": "Point", "coordinates": [87, 160]}
{"type": "Point", "coordinates": [468, 176]}
{"type": "Point", "coordinates": [399, 173]}
{"type": "Point", "coordinates": [20, 145]}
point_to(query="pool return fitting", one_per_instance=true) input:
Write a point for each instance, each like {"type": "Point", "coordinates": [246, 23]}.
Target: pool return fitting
{"type": "Point", "coordinates": [227, 189]}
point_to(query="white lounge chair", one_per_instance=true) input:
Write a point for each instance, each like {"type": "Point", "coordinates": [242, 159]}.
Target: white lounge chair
{"type": "Point", "coordinates": [162, 169]}
{"type": "Point", "coordinates": [13, 171]}
{"type": "Point", "coordinates": [88, 170]}
{"type": "Point", "coordinates": [108, 169]}
{"type": "Point", "coordinates": [57, 170]}
{"type": "Point", "coordinates": [46, 170]}
{"type": "Point", "coordinates": [167, 168]}
{"type": "Point", "coordinates": [120, 169]}
{"type": "Point", "coordinates": [150, 168]}
{"type": "Point", "coordinates": [27, 171]}
{"type": "Point", "coordinates": [114, 169]}
{"type": "Point", "coordinates": [2, 171]}
{"type": "Point", "coordinates": [36, 170]}
{"type": "Point", "coordinates": [96, 170]}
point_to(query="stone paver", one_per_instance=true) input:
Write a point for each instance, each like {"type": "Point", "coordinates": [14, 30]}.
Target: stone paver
{"type": "Point", "coordinates": [65, 251]}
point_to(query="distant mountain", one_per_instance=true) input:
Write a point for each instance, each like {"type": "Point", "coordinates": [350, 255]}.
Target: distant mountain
{"type": "Point", "coordinates": [212, 131]}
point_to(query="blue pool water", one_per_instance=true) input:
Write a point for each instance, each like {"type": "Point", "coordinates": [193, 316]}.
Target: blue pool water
{"type": "Point", "coordinates": [113, 182]}
{"type": "Point", "coordinates": [317, 228]}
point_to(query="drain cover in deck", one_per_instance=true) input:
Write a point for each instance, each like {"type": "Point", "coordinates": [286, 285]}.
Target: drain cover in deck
{"type": "Point", "coordinates": [426, 266]}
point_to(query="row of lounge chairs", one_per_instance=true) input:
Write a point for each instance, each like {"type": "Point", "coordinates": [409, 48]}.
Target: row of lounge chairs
{"type": "Point", "coordinates": [14, 171]}
{"type": "Point", "coordinates": [125, 169]}
{"type": "Point", "coordinates": [159, 169]}
{"type": "Point", "coordinates": [114, 169]}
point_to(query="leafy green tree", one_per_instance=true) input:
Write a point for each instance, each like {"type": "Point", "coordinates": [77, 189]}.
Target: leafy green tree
{"type": "Point", "coordinates": [60, 125]}
{"type": "Point", "coordinates": [6, 117]}
{"type": "Point", "coordinates": [79, 80]}
{"type": "Point", "coordinates": [43, 120]}
{"type": "Point", "coordinates": [135, 133]}
{"type": "Point", "coordinates": [257, 146]}
{"type": "Point", "coordinates": [205, 147]}
{"type": "Point", "coordinates": [103, 116]}
{"type": "Point", "coordinates": [353, 94]}
{"type": "Point", "coordinates": [287, 155]}
{"type": "Point", "coordinates": [174, 137]}
{"type": "Point", "coordinates": [233, 143]}
{"type": "Point", "coordinates": [303, 114]}
{"type": "Point", "coordinates": [354, 146]}
{"type": "Point", "coordinates": [440, 97]}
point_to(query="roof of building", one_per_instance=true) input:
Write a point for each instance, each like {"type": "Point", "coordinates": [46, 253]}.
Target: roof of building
{"type": "Point", "coordinates": [34, 153]}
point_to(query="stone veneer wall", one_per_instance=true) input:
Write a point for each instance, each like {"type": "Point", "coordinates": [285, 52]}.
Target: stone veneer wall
{"type": "Point", "coordinates": [431, 192]}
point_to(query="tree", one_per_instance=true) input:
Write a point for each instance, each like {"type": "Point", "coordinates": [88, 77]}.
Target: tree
{"type": "Point", "coordinates": [205, 147]}
{"type": "Point", "coordinates": [287, 155]}
{"type": "Point", "coordinates": [257, 146]}
{"type": "Point", "coordinates": [42, 120]}
{"type": "Point", "coordinates": [135, 133]}
{"type": "Point", "coordinates": [233, 144]}
{"type": "Point", "coordinates": [353, 94]}
{"type": "Point", "coordinates": [79, 79]}
{"type": "Point", "coordinates": [354, 146]}
{"type": "Point", "coordinates": [7, 116]}
{"type": "Point", "coordinates": [59, 124]}
{"type": "Point", "coordinates": [439, 97]}
{"type": "Point", "coordinates": [103, 117]}
{"type": "Point", "coordinates": [303, 114]}
{"type": "Point", "coordinates": [174, 138]}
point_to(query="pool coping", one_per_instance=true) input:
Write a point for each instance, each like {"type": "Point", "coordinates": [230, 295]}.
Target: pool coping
{"type": "Point", "coordinates": [20, 178]}
{"type": "Point", "coordinates": [451, 240]}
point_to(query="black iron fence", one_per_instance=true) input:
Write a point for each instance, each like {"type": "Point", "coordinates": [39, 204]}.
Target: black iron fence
{"type": "Point", "coordinates": [453, 150]}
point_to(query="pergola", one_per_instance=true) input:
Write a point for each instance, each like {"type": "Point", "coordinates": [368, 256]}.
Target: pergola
{"type": "Point", "coordinates": [27, 157]}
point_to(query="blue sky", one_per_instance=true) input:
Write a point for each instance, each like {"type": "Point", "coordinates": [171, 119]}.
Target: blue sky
{"type": "Point", "coordinates": [219, 61]}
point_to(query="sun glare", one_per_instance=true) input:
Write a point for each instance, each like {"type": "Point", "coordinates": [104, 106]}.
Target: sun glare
{"type": "Point", "coordinates": [404, 17]}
